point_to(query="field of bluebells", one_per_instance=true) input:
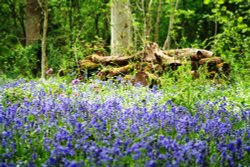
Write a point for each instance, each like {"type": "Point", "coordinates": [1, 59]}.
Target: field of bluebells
{"type": "Point", "coordinates": [53, 123]}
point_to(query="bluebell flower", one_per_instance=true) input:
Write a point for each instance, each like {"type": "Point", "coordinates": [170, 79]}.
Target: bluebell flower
{"type": "Point", "coordinates": [62, 87]}
{"type": "Point", "coordinates": [231, 147]}
{"type": "Point", "coordinates": [5, 134]}
{"type": "Point", "coordinates": [75, 164]}
{"type": "Point", "coordinates": [52, 161]}
{"type": "Point", "coordinates": [151, 163]}
{"type": "Point", "coordinates": [247, 148]}
{"type": "Point", "coordinates": [238, 143]}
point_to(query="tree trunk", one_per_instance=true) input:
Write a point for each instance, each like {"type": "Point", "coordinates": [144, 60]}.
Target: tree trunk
{"type": "Point", "coordinates": [45, 28]}
{"type": "Point", "coordinates": [32, 21]}
{"type": "Point", "coordinates": [70, 8]}
{"type": "Point", "coordinates": [147, 20]}
{"type": "Point", "coordinates": [121, 36]}
{"type": "Point", "coordinates": [105, 28]}
{"type": "Point", "coordinates": [167, 42]}
{"type": "Point", "coordinates": [157, 24]}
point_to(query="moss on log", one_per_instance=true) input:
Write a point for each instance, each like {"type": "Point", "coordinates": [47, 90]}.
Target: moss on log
{"type": "Point", "coordinates": [88, 65]}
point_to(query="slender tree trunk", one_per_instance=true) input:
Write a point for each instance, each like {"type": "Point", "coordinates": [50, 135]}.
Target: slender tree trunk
{"type": "Point", "coordinates": [32, 21]}
{"type": "Point", "coordinates": [148, 19]}
{"type": "Point", "coordinates": [121, 36]}
{"type": "Point", "coordinates": [215, 28]}
{"type": "Point", "coordinates": [97, 16]}
{"type": "Point", "coordinates": [70, 6]}
{"type": "Point", "coordinates": [144, 36]}
{"type": "Point", "coordinates": [167, 42]}
{"type": "Point", "coordinates": [146, 7]}
{"type": "Point", "coordinates": [157, 24]}
{"type": "Point", "coordinates": [45, 29]}
{"type": "Point", "coordinates": [105, 22]}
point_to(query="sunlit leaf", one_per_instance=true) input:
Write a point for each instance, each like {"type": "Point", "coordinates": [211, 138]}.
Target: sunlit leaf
{"type": "Point", "coordinates": [240, 19]}
{"type": "Point", "coordinates": [206, 2]}
{"type": "Point", "coordinates": [221, 1]}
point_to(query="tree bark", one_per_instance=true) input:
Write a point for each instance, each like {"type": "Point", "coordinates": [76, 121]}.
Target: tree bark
{"type": "Point", "coordinates": [157, 24]}
{"type": "Point", "coordinates": [121, 36]}
{"type": "Point", "coordinates": [114, 60]}
{"type": "Point", "coordinates": [105, 28]}
{"type": "Point", "coordinates": [32, 21]}
{"type": "Point", "coordinates": [45, 29]}
{"type": "Point", "coordinates": [70, 8]}
{"type": "Point", "coordinates": [146, 6]}
{"type": "Point", "coordinates": [167, 42]}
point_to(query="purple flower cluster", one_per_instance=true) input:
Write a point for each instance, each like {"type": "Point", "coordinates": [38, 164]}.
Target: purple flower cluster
{"type": "Point", "coordinates": [48, 129]}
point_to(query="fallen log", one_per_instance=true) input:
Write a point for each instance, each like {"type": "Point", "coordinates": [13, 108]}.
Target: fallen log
{"type": "Point", "coordinates": [210, 61]}
{"type": "Point", "coordinates": [153, 62]}
{"type": "Point", "coordinates": [189, 53]}
{"type": "Point", "coordinates": [166, 58]}
{"type": "Point", "coordinates": [107, 73]}
{"type": "Point", "coordinates": [111, 60]}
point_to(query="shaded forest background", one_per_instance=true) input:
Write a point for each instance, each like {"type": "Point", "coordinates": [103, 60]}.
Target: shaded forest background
{"type": "Point", "coordinates": [78, 28]}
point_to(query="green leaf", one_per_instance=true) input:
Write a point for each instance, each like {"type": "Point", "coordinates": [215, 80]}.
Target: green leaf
{"type": "Point", "coordinates": [240, 19]}
{"type": "Point", "coordinates": [220, 1]}
{"type": "Point", "coordinates": [31, 118]}
{"type": "Point", "coordinates": [206, 2]}
{"type": "Point", "coordinates": [224, 8]}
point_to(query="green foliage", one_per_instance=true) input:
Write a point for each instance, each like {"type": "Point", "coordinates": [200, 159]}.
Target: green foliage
{"type": "Point", "coordinates": [187, 91]}
{"type": "Point", "coordinates": [234, 29]}
{"type": "Point", "coordinates": [18, 60]}
{"type": "Point", "coordinates": [232, 40]}
{"type": "Point", "coordinates": [79, 28]}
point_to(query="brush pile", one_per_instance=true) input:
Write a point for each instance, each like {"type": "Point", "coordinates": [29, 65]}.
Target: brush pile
{"type": "Point", "coordinates": [147, 66]}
